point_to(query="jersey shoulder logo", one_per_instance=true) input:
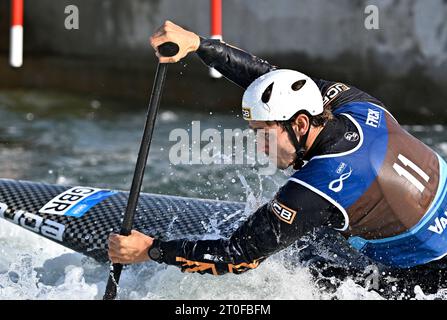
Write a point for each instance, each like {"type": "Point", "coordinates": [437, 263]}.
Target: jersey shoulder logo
{"type": "Point", "coordinates": [333, 92]}
{"type": "Point", "coordinates": [283, 213]}
{"type": "Point", "coordinates": [374, 117]}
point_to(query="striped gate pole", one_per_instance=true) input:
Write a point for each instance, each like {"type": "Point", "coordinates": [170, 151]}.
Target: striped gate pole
{"type": "Point", "coordinates": [16, 44]}
{"type": "Point", "coordinates": [216, 29]}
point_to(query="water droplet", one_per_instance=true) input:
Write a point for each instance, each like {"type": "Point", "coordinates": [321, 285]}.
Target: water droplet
{"type": "Point", "coordinates": [13, 276]}
{"type": "Point", "coordinates": [95, 104]}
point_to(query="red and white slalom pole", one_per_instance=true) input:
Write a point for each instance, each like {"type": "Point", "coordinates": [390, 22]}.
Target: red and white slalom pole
{"type": "Point", "coordinates": [16, 44]}
{"type": "Point", "coordinates": [216, 29]}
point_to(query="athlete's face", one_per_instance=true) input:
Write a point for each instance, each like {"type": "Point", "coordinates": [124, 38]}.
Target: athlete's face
{"type": "Point", "coordinates": [274, 141]}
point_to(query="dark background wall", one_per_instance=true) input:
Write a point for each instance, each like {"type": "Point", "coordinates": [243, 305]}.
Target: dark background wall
{"type": "Point", "coordinates": [404, 63]}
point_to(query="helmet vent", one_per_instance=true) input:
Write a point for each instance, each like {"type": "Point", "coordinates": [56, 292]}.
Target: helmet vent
{"type": "Point", "coordinates": [267, 93]}
{"type": "Point", "coordinates": [298, 85]}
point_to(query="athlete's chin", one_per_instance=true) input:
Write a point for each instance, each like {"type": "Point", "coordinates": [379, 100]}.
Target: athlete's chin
{"type": "Point", "coordinates": [282, 166]}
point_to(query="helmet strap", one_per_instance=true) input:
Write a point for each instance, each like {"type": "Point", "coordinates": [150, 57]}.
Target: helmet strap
{"type": "Point", "coordinates": [300, 149]}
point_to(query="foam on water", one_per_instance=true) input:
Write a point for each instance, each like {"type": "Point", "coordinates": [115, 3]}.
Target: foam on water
{"type": "Point", "coordinates": [35, 268]}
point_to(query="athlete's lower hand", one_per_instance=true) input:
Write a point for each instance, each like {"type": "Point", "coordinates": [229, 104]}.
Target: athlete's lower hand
{"type": "Point", "coordinates": [129, 249]}
{"type": "Point", "coordinates": [170, 32]}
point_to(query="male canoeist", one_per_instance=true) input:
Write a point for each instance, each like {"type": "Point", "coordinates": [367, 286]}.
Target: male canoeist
{"type": "Point", "coordinates": [358, 171]}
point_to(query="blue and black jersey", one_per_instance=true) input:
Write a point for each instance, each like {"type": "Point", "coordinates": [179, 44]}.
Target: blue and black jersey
{"type": "Point", "coordinates": [365, 176]}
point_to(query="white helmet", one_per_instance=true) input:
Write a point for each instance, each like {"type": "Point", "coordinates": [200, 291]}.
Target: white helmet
{"type": "Point", "coordinates": [279, 95]}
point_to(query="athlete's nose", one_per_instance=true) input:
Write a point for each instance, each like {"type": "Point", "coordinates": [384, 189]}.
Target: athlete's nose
{"type": "Point", "coordinates": [263, 145]}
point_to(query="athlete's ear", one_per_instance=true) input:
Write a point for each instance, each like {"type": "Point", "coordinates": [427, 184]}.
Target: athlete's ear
{"type": "Point", "coordinates": [302, 124]}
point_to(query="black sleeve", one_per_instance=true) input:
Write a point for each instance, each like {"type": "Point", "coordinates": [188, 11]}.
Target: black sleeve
{"type": "Point", "coordinates": [243, 68]}
{"type": "Point", "coordinates": [234, 64]}
{"type": "Point", "coordinates": [293, 212]}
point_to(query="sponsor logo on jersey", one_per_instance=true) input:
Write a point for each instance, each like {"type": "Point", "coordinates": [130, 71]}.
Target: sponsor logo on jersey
{"type": "Point", "coordinates": [338, 184]}
{"type": "Point", "coordinates": [373, 119]}
{"type": "Point", "coordinates": [341, 168]}
{"type": "Point", "coordinates": [75, 202]}
{"type": "Point", "coordinates": [246, 113]}
{"type": "Point", "coordinates": [352, 136]}
{"type": "Point", "coordinates": [333, 92]}
{"type": "Point", "coordinates": [440, 225]}
{"type": "Point", "coordinates": [283, 213]}
{"type": "Point", "coordinates": [33, 222]}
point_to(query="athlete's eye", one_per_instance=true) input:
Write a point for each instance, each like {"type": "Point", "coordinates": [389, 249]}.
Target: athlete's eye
{"type": "Point", "coordinates": [267, 93]}
{"type": "Point", "coordinates": [298, 85]}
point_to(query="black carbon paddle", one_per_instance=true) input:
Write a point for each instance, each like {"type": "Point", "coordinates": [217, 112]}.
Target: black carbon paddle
{"type": "Point", "coordinates": [167, 49]}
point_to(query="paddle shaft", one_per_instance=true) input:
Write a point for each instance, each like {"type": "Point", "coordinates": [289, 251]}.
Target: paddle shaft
{"type": "Point", "coordinates": [168, 49]}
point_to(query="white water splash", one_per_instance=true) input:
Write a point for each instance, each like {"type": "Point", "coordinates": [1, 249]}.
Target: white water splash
{"type": "Point", "coordinates": [36, 268]}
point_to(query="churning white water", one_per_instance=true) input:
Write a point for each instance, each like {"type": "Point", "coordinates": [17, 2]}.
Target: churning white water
{"type": "Point", "coordinates": [36, 268]}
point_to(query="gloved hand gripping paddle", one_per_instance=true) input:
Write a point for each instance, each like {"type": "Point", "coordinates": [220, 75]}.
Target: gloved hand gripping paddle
{"type": "Point", "coordinates": [168, 49]}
